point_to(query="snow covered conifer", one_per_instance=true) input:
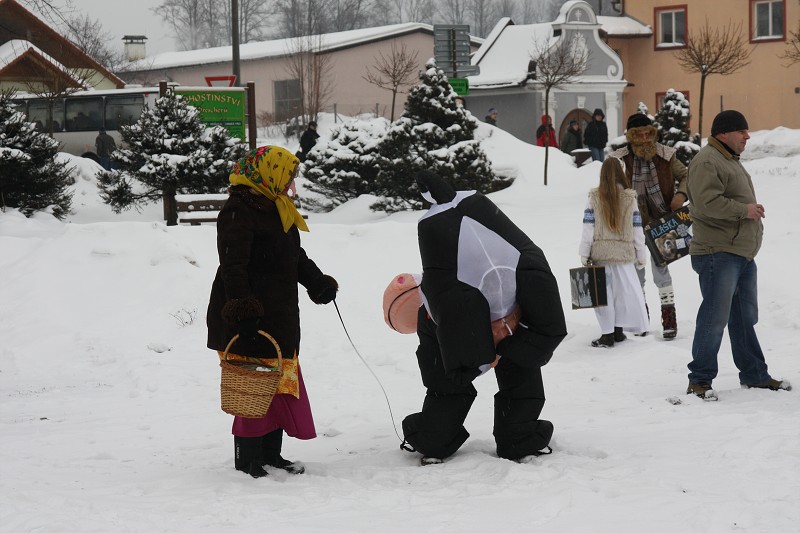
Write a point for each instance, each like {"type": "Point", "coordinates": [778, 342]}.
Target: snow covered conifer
{"type": "Point", "coordinates": [166, 152]}
{"type": "Point", "coordinates": [672, 121]}
{"type": "Point", "coordinates": [429, 136]}
{"type": "Point", "coordinates": [31, 179]}
{"type": "Point", "coordinates": [345, 166]}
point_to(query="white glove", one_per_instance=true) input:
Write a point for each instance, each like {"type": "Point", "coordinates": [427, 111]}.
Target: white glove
{"type": "Point", "coordinates": [639, 264]}
{"type": "Point", "coordinates": [585, 261]}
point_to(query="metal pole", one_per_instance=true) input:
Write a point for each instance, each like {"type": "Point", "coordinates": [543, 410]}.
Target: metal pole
{"type": "Point", "coordinates": [235, 40]}
{"type": "Point", "coordinates": [251, 114]}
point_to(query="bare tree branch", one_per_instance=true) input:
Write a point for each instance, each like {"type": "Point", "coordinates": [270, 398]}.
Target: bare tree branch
{"type": "Point", "coordinates": [393, 72]}
{"type": "Point", "coordinates": [313, 71]}
{"type": "Point", "coordinates": [792, 52]}
{"type": "Point", "coordinates": [715, 50]}
{"type": "Point", "coordinates": [555, 67]}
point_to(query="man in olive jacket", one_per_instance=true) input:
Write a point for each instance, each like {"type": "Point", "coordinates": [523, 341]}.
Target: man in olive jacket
{"type": "Point", "coordinates": [727, 236]}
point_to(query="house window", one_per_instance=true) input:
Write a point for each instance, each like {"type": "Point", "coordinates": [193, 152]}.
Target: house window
{"type": "Point", "coordinates": [671, 27]}
{"type": "Point", "coordinates": [766, 19]}
{"type": "Point", "coordinates": [288, 98]}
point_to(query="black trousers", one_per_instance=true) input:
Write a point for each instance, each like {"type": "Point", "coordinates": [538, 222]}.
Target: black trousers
{"type": "Point", "coordinates": [438, 430]}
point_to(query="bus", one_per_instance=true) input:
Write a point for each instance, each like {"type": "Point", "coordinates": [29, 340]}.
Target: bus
{"type": "Point", "coordinates": [78, 117]}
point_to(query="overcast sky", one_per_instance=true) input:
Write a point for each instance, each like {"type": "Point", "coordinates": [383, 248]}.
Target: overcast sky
{"type": "Point", "coordinates": [129, 17]}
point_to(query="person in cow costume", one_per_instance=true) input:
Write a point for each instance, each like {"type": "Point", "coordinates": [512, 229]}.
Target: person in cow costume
{"type": "Point", "coordinates": [479, 271]}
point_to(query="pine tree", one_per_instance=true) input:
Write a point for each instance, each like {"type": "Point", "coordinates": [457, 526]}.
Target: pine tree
{"type": "Point", "coordinates": [431, 135]}
{"type": "Point", "coordinates": [166, 152]}
{"type": "Point", "coordinates": [672, 121]}
{"type": "Point", "coordinates": [345, 166]}
{"type": "Point", "coordinates": [30, 177]}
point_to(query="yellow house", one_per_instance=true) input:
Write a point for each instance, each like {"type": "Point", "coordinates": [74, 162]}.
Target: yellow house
{"type": "Point", "coordinates": [766, 91]}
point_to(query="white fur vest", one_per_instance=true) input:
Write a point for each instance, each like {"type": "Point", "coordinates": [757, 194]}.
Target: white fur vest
{"type": "Point", "coordinates": [609, 246]}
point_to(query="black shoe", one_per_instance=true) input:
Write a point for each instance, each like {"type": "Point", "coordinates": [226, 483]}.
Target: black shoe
{"type": "Point", "coordinates": [606, 340]}
{"type": "Point", "coordinates": [247, 456]}
{"type": "Point", "coordinates": [271, 445]}
{"type": "Point", "coordinates": [618, 335]}
{"type": "Point", "coordinates": [284, 464]}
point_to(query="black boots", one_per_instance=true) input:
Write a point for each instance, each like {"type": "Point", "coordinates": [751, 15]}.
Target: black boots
{"type": "Point", "coordinates": [252, 454]}
{"type": "Point", "coordinates": [271, 445]}
{"type": "Point", "coordinates": [247, 456]}
{"type": "Point", "coordinates": [607, 340]}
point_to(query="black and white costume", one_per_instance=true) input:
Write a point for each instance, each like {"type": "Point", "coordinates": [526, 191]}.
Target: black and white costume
{"type": "Point", "coordinates": [477, 265]}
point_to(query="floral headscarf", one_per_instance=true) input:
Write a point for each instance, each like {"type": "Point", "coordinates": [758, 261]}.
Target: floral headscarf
{"type": "Point", "coordinates": [268, 170]}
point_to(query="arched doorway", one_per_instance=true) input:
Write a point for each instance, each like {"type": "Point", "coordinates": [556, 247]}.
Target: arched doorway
{"type": "Point", "coordinates": [581, 115]}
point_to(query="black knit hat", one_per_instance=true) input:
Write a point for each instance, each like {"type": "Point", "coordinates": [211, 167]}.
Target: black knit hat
{"type": "Point", "coordinates": [637, 120]}
{"type": "Point", "coordinates": [728, 121]}
{"type": "Point", "coordinates": [599, 111]}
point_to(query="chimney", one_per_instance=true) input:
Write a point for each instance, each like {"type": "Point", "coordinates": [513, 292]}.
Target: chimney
{"type": "Point", "coordinates": [134, 47]}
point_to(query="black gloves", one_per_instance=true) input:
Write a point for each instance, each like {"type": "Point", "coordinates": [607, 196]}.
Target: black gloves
{"type": "Point", "coordinates": [248, 328]}
{"type": "Point", "coordinates": [324, 291]}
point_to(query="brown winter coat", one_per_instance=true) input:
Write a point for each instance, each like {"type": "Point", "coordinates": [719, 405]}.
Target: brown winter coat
{"type": "Point", "coordinates": [260, 267]}
{"type": "Point", "coordinates": [669, 170]}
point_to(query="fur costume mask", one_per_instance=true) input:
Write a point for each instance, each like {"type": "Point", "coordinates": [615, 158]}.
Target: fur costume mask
{"type": "Point", "coordinates": [643, 141]}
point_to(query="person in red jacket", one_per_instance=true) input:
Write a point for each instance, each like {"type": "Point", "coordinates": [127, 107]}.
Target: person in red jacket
{"type": "Point", "coordinates": [546, 134]}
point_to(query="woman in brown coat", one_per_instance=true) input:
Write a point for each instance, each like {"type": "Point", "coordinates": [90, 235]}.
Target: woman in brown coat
{"type": "Point", "coordinates": [261, 263]}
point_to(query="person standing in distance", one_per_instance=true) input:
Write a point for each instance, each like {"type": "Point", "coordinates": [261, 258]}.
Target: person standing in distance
{"type": "Point", "coordinates": [491, 117]}
{"type": "Point", "coordinates": [727, 236]}
{"type": "Point", "coordinates": [105, 145]}
{"type": "Point", "coordinates": [596, 135]}
{"type": "Point", "coordinates": [308, 140]}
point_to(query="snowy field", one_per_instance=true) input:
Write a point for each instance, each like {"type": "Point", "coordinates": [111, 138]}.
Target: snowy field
{"type": "Point", "coordinates": [109, 400]}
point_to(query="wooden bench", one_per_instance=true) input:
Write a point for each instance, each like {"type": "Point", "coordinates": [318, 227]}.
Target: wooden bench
{"type": "Point", "coordinates": [197, 208]}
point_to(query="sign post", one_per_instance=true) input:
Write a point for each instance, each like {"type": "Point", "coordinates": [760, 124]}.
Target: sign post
{"type": "Point", "coordinates": [451, 49]}
{"type": "Point", "coordinates": [219, 107]}
{"type": "Point", "coordinates": [460, 86]}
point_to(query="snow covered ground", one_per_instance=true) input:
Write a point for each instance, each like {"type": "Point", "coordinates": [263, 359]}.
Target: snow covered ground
{"type": "Point", "coordinates": [109, 400]}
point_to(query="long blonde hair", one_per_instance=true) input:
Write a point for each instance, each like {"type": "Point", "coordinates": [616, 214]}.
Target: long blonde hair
{"type": "Point", "coordinates": [611, 175]}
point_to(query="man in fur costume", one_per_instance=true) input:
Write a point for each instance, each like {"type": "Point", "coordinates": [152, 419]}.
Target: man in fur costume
{"type": "Point", "coordinates": [659, 179]}
{"type": "Point", "coordinates": [477, 267]}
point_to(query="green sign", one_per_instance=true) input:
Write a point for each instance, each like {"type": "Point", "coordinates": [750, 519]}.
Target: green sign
{"type": "Point", "coordinates": [459, 85]}
{"type": "Point", "coordinates": [219, 107]}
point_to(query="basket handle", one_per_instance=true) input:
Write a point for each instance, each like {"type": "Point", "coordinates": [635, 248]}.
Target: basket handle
{"type": "Point", "coordinates": [263, 334]}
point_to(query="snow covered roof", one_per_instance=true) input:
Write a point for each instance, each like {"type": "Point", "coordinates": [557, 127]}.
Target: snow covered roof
{"type": "Point", "coordinates": [17, 50]}
{"type": "Point", "coordinates": [504, 56]}
{"type": "Point", "coordinates": [277, 48]}
{"type": "Point", "coordinates": [623, 27]}
{"type": "Point", "coordinates": [504, 60]}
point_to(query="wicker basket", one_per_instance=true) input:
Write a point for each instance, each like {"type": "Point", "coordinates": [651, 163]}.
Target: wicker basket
{"type": "Point", "coordinates": [246, 392]}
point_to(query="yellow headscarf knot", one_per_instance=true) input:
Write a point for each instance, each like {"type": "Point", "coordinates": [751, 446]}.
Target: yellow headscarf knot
{"type": "Point", "coordinates": [269, 169]}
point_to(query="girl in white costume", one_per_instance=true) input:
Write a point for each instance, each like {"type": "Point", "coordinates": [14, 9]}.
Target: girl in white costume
{"type": "Point", "coordinates": [613, 237]}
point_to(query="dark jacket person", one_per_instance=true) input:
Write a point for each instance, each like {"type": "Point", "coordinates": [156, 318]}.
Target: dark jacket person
{"type": "Point", "coordinates": [261, 264]}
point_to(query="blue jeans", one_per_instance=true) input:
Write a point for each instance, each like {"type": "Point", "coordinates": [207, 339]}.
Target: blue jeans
{"type": "Point", "coordinates": [728, 284]}
{"type": "Point", "coordinates": [597, 153]}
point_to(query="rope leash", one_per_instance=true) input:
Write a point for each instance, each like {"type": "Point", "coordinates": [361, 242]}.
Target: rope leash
{"type": "Point", "coordinates": [391, 414]}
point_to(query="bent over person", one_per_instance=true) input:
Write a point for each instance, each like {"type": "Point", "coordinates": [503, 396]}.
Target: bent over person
{"type": "Point", "coordinates": [726, 221]}
{"type": "Point", "coordinates": [261, 263]}
{"type": "Point", "coordinates": [479, 267]}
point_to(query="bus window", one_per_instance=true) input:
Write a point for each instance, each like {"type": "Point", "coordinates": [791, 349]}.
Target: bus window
{"type": "Point", "coordinates": [84, 114]}
{"type": "Point", "coordinates": [123, 110]}
{"type": "Point", "coordinates": [37, 113]}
